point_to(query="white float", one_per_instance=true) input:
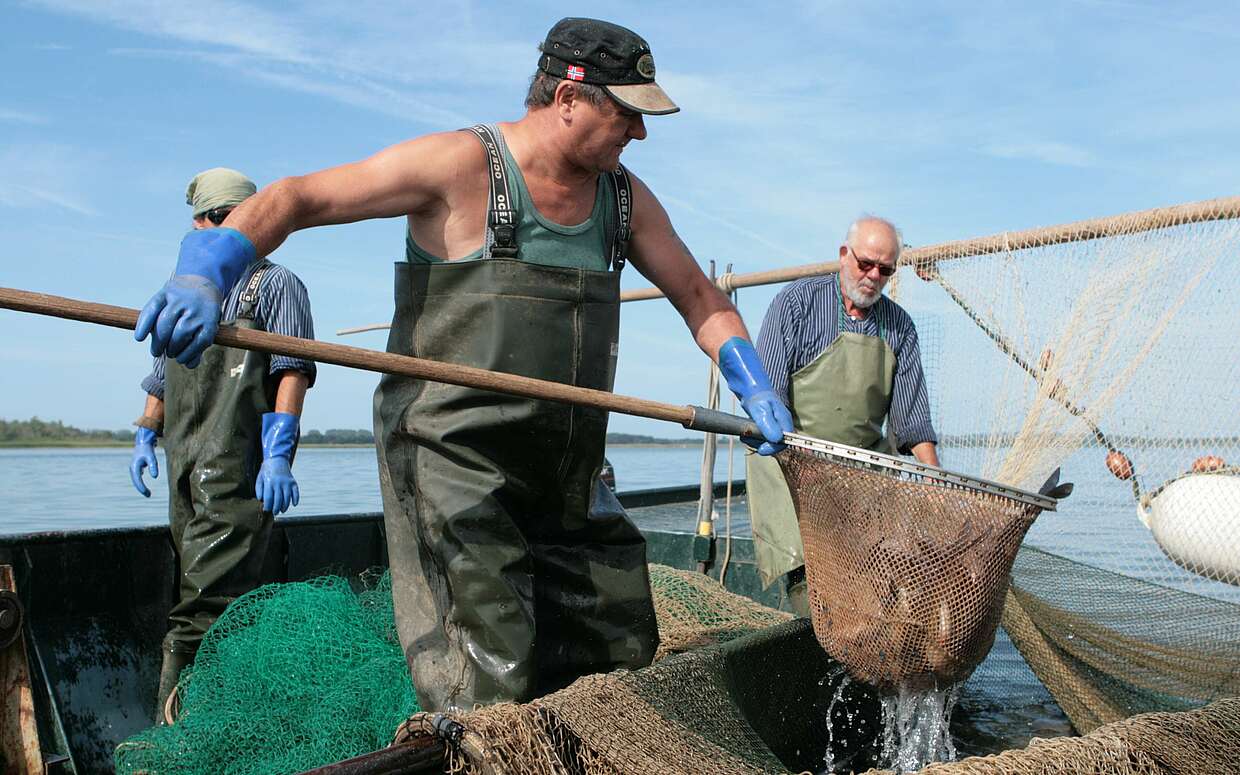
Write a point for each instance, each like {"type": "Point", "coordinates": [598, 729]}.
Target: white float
{"type": "Point", "coordinates": [1195, 518]}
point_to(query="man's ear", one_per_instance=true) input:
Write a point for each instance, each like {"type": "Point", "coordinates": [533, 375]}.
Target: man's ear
{"type": "Point", "coordinates": [843, 251]}
{"type": "Point", "coordinates": [566, 97]}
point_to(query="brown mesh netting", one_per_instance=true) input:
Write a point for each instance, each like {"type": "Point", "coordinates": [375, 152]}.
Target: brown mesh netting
{"type": "Point", "coordinates": [694, 610]}
{"type": "Point", "coordinates": [906, 574]}
{"type": "Point", "coordinates": [723, 709]}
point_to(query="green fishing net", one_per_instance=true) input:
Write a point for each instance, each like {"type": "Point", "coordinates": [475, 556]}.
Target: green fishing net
{"type": "Point", "coordinates": [291, 677]}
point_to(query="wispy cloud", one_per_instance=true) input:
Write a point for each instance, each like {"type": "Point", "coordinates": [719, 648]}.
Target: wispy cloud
{"type": "Point", "coordinates": [18, 195]}
{"type": "Point", "coordinates": [230, 24]}
{"type": "Point", "coordinates": [21, 117]}
{"type": "Point", "coordinates": [377, 56]}
{"type": "Point", "coordinates": [1046, 151]}
{"type": "Point", "coordinates": [346, 88]}
{"type": "Point", "coordinates": [732, 227]}
{"type": "Point", "coordinates": [38, 174]}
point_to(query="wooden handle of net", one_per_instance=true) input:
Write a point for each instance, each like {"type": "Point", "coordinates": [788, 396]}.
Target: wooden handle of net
{"type": "Point", "coordinates": [692, 417]}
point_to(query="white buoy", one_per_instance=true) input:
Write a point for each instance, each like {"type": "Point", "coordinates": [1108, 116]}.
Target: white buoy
{"type": "Point", "coordinates": [1195, 519]}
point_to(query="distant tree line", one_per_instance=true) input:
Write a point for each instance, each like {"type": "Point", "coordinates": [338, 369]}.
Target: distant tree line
{"type": "Point", "coordinates": [1119, 440]}
{"type": "Point", "coordinates": [35, 430]}
{"type": "Point", "coordinates": [338, 436]}
{"type": "Point", "coordinates": [634, 438]}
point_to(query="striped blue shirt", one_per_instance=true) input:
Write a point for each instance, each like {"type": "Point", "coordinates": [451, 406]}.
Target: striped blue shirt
{"type": "Point", "coordinates": [283, 308]}
{"type": "Point", "coordinates": [803, 320]}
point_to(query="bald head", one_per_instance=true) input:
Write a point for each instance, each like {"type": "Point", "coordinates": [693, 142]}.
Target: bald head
{"type": "Point", "coordinates": [879, 235]}
{"type": "Point", "coordinates": [867, 259]}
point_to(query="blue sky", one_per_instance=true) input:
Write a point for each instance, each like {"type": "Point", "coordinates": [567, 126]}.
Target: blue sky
{"type": "Point", "coordinates": [952, 119]}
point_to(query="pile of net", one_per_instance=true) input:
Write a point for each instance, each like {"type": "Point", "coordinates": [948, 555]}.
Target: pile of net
{"type": "Point", "coordinates": [291, 677]}
{"type": "Point", "coordinates": [907, 574]}
{"type": "Point", "coordinates": [769, 703]}
{"type": "Point", "coordinates": [766, 702]}
{"type": "Point", "coordinates": [295, 676]}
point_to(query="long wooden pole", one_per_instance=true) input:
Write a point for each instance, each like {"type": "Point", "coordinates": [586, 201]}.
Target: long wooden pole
{"type": "Point", "coordinates": [692, 417]}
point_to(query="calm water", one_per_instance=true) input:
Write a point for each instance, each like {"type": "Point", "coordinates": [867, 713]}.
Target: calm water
{"type": "Point", "coordinates": [64, 489]}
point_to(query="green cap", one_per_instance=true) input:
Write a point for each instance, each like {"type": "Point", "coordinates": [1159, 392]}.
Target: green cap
{"type": "Point", "coordinates": [607, 55]}
{"type": "Point", "coordinates": [218, 187]}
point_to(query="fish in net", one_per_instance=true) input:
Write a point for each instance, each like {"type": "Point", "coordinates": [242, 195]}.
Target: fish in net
{"type": "Point", "coordinates": [907, 564]}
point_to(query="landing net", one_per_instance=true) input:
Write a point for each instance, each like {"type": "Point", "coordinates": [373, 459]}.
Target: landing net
{"type": "Point", "coordinates": [907, 564]}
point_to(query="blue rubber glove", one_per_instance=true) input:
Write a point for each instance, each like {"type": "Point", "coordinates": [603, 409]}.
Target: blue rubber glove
{"type": "Point", "coordinates": [276, 487]}
{"type": "Point", "coordinates": [143, 457]}
{"type": "Point", "coordinates": [743, 370]}
{"type": "Point", "coordinates": [182, 317]}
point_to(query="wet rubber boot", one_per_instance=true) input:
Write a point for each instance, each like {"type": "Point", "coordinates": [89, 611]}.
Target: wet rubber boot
{"type": "Point", "coordinates": [175, 661]}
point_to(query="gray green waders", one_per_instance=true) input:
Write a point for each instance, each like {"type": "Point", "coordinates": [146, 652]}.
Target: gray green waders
{"type": "Point", "coordinates": [213, 441]}
{"type": "Point", "coordinates": [514, 569]}
{"type": "Point", "coordinates": [843, 395]}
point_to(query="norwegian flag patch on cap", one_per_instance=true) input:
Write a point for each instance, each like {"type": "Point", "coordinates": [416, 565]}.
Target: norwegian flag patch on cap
{"type": "Point", "coordinates": [575, 73]}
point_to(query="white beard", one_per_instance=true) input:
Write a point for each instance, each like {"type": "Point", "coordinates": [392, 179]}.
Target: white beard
{"type": "Point", "coordinates": [860, 298]}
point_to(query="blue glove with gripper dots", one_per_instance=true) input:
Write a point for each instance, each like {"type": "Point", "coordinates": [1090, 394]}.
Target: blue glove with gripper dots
{"type": "Point", "coordinates": [741, 367]}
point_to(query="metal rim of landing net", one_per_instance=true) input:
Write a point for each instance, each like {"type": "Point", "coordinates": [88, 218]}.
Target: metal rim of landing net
{"type": "Point", "coordinates": [1045, 500]}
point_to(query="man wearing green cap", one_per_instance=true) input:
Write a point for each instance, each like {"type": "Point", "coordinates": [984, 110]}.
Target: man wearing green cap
{"type": "Point", "coordinates": [231, 428]}
{"type": "Point", "coordinates": [513, 571]}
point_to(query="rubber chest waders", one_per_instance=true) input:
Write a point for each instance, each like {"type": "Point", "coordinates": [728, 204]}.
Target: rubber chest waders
{"type": "Point", "coordinates": [514, 570]}
{"type": "Point", "coordinates": [213, 426]}
{"type": "Point", "coordinates": [843, 395]}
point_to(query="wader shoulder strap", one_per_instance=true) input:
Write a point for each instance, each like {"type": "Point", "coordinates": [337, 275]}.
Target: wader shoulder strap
{"type": "Point", "coordinates": [248, 301]}
{"type": "Point", "coordinates": [618, 256]}
{"type": "Point", "coordinates": [501, 239]}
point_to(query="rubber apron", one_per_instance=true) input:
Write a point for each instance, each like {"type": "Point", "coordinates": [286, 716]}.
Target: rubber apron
{"type": "Point", "coordinates": [843, 395]}
{"type": "Point", "coordinates": [514, 570]}
{"type": "Point", "coordinates": [213, 429]}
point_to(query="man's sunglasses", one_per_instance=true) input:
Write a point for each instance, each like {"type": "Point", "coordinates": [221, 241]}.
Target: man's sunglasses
{"type": "Point", "coordinates": [217, 215]}
{"type": "Point", "coordinates": [865, 265]}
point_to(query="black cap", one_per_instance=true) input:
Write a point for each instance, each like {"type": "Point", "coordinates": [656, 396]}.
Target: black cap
{"type": "Point", "coordinates": [608, 55]}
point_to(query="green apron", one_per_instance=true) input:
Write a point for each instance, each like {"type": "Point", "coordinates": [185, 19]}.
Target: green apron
{"type": "Point", "coordinates": [843, 395]}
{"type": "Point", "coordinates": [212, 428]}
{"type": "Point", "coordinates": [213, 437]}
{"type": "Point", "coordinates": [514, 570]}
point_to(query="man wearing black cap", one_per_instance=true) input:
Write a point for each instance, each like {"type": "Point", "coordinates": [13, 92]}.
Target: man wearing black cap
{"type": "Point", "coordinates": [513, 572]}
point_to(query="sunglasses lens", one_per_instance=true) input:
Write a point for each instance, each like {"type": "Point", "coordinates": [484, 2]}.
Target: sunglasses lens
{"type": "Point", "coordinates": [866, 266]}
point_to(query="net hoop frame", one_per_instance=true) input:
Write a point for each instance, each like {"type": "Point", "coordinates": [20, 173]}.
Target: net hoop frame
{"type": "Point", "coordinates": [934, 473]}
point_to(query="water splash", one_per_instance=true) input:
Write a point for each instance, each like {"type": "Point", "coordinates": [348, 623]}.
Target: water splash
{"type": "Point", "coordinates": [916, 727]}
{"type": "Point", "coordinates": [836, 698]}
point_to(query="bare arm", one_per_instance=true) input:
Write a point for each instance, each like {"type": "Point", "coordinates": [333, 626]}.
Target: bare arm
{"type": "Point", "coordinates": [154, 409]}
{"type": "Point", "coordinates": [661, 256]}
{"type": "Point", "coordinates": [402, 179]}
{"type": "Point", "coordinates": [926, 452]}
{"type": "Point", "coordinates": [291, 392]}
